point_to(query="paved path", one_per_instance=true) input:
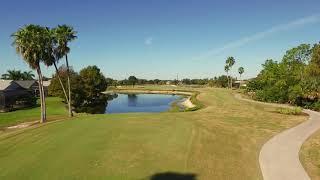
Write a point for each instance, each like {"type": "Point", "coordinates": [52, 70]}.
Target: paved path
{"type": "Point", "coordinates": [279, 157]}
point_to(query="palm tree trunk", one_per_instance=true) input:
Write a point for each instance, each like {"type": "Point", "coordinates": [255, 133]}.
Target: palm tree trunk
{"type": "Point", "coordinates": [240, 82]}
{"type": "Point", "coordinates": [42, 119]}
{"type": "Point", "coordinates": [69, 87]}
{"type": "Point", "coordinates": [228, 80]}
{"type": "Point", "coordinates": [62, 86]}
{"type": "Point", "coordinates": [43, 98]}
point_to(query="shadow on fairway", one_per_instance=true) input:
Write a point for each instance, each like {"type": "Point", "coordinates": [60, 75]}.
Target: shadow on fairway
{"type": "Point", "coordinates": [173, 176]}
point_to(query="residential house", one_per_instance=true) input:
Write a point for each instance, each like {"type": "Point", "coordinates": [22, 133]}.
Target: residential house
{"type": "Point", "coordinates": [13, 96]}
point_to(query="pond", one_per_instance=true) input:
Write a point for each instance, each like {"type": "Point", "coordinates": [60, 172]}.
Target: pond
{"type": "Point", "coordinates": [124, 103]}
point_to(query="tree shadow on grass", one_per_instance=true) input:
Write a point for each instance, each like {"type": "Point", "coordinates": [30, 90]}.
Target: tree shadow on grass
{"type": "Point", "coordinates": [173, 176]}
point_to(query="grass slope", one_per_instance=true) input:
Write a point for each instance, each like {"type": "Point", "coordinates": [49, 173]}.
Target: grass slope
{"type": "Point", "coordinates": [55, 108]}
{"type": "Point", "coordinates": [221, 141]}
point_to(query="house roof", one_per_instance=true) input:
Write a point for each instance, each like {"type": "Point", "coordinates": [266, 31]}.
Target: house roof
{"type": "Point", "coordinates": [9, 85]}
{"type": "Point", "coordinates": [26, 84]}
{"type": "Point", "coordinates": [4, 84]}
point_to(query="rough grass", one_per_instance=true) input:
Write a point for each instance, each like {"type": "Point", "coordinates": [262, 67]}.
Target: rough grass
{"type": "Point", "coordinates": [55, 108]}
{"type": "Point", "coordinates": [220, 141]}
{"type": "Point", "coordinates": [290, 111]}
{"type": "Point", "coordinates": [310, 155]}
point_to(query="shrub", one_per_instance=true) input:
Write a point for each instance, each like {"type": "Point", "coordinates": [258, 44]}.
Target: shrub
{"type": "Point", "coordinates": [316, 106]}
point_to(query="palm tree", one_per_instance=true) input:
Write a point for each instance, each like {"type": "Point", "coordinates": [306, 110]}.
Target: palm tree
{"type": "Point", "coordinates": [52, 55]}
{"type": "Point", "coordinates": [13, 75]}
{"type": "Point", "coordinates": [240, 71]}
{"type": "Point", "coordinates": [65, 34]}
{"type": "Point", "coordinates": [29, 43]}
{"type": "Point", "coordinates": [227, 69]}
{"type": "Point", "coordinates": [230, 62]}
{"type": "Point", "coordinates": [28, 75]}
{"type": "Point", "coordinates": [5, 76]}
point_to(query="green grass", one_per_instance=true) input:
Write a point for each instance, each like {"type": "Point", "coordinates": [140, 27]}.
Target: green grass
{"type": "Point", "coordinates": [310, 155]}
{"type": "Point", "coordinates": [55, 108]}
{"type": "Point", "coordinates": [220, 141]}
{"type": "Point", "coordinates": [290, 111]}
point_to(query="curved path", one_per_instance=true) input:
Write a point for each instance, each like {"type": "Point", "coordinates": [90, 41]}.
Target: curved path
{"type": "Point", "coordinates": [279, 157]}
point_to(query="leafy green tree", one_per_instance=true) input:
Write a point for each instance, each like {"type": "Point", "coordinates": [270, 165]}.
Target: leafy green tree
{"type": "Point", "coordinates": [312, 82]}
{"type": "Point", "coordinates": [55, 88]}
{"type": "Point", "coordinates": [132, 80]}
{"type": "Point", "coordinates": [314, 65]}
{"type": "Point", "coordinates": [293, 80]}
{"type": "Point", "coordinates": [156, 81]}
{"type": "Point", "coordinates": [221, 81]}
{"type": "Point", "coordinates": [31, 45]}
{"type": "Point", "coordinates": [186, 81]}
{"type": "Point", "coordinates": [90, 98]}
{"type": "Point", "coordinates": [64, 35]}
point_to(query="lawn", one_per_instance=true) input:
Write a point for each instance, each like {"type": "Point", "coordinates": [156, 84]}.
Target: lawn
{"type": "Point", "coordinates": [54, 110]}
{"type": "Point", "coordinates": [220, 141]}
{"type": "Point", "coordinates": [310, 155]}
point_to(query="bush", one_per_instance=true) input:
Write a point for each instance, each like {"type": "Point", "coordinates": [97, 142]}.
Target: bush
{"type": "Point", "coordinates": [316, 106]}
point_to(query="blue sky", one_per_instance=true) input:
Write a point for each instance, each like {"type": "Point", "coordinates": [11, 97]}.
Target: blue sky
{"type": "Point", "coordinates": [161, 38]}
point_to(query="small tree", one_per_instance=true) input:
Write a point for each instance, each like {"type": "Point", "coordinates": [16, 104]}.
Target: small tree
{"type": "Point", "coordinates": [133, 80]}
{"type": "Point", "coordinates": [240, 71]}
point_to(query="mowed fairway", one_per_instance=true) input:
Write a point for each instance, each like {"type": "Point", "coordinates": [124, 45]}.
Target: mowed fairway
{"type": "Point", "coordinates": [220, 141]}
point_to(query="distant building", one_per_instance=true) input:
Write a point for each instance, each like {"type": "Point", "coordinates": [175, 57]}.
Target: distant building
{"type": "Point", "coordinates": [241, 83]}
{"type": "Point", "coordinates": [13, 96]}
{"type": "Point", "coordinates": [46, 85]}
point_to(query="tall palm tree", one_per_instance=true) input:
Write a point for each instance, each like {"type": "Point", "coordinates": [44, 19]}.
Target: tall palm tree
{"type": "Point", "coordinates": [227, 69]}
{"type": "Point", "coordinates": [230, 62]}
{"type": "Point", "coordinates": [240, 71]}
{"type": "Point", "coordinates": [29, 43]}
{"type": "Point", "coordinates": [52, 55]}
{"type": "Point", "coordinates": [65, 34]}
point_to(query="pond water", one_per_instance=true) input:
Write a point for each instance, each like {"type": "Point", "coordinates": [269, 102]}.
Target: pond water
{"type": "Point", "coordinates": [124, 103]}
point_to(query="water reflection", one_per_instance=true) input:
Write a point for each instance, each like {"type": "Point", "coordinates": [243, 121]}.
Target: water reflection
{"type": "Point", "coordinates": [132, 100]}
{"type": "Point", "coordinates": [124, 103]}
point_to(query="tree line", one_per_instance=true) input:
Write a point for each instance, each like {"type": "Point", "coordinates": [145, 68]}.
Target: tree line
{"type": "Point", "coordinates": [295, 79]}
{"type": "Point", "coordinates": [17, 75]}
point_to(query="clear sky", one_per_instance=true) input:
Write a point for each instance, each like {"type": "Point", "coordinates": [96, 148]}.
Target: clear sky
{"type": "Point", "coordinates": [161, 38]}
